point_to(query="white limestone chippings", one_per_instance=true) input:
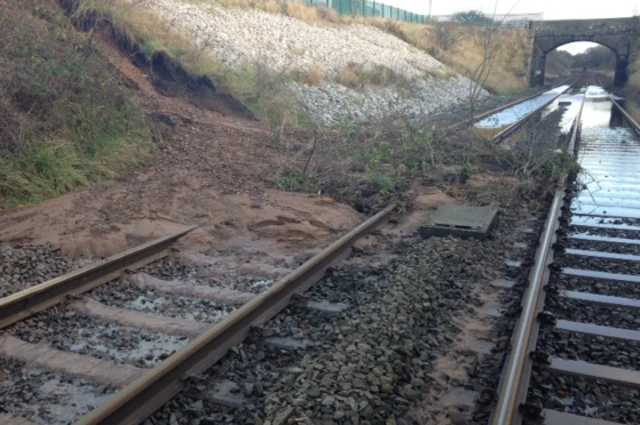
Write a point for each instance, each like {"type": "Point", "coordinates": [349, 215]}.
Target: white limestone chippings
{"type": "Point", "coordinates": [240, 36]}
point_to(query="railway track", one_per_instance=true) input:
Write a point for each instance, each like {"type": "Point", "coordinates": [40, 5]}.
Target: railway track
{"type": "Point", "coordinates": [574, 350]}
{"type": "Point", "coordinates": [198, 333]}
{"type": "Point", "coordinates": [134, 392]}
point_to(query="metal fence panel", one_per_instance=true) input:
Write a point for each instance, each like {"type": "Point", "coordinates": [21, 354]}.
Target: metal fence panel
{"type": "Point", "coordinates": [372, 8]}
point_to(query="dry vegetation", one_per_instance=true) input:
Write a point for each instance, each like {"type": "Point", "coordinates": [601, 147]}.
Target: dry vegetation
{"type": "Point", "coordinates": [65, 117]}
{"type": "Point", "coordinates": [367, 167]}
{"type": "Point", "coordinates": [466, 48]}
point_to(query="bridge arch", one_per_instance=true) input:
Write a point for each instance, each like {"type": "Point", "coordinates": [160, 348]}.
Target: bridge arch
{"type": "Point", "coordinates": [619, 35]}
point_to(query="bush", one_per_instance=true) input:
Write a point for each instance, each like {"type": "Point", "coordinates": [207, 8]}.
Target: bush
{"type": "Point", "coordinates": [348, 77]}
{"type": "Point", "coordinates": [302, 12]}
{"type": "Point", "coordinates": [328, 14]}
{"type": "Point", "coordinates": [315, 76]}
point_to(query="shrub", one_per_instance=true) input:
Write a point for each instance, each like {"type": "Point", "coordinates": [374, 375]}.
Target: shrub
{"type": "Point", "coordinates": [328, 14]}
{"type": "Point", "coordinates": [315, 76]}
{"type": "Point", "coordinates": [348, 77]}
{"type": "Point", "coordinates": [302, 12]}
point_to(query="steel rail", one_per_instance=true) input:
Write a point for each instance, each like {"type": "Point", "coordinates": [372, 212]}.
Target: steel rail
{"type": "Point", "coordinates": [628, 117]}
{"type": "Point", "coordinates": [141, 398]}
{"type": "Point", "coordinates": [484, 115]}
{"type": "Point", "coordinates": [516, 375]}
{"type": "Point", "coordinates": [23, 304]}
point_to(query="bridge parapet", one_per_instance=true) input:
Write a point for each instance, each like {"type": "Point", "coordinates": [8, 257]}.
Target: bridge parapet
{"type": "Point", "coordinates": [618, 34]}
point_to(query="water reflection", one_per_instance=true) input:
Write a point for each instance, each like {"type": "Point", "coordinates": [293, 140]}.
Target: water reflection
{"type": "Point", "coordinates": [517, 112]}
{"type": "Point", "coordinates": [608, 153]}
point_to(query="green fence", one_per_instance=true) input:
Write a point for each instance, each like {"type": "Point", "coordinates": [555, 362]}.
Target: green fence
{"type": "Point", "coordinates": [377, 9]}
{"type": "Point", "coordinates": [368, 8]}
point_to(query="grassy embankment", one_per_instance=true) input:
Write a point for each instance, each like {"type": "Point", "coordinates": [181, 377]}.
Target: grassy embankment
{"type": "Point", "coordinates": [65, 117]}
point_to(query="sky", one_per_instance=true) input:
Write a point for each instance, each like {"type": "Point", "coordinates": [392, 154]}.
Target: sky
{"type": "Point", "coordinates": [552, 9]}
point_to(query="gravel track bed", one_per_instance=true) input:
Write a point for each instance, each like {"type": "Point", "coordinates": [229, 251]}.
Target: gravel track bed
{"type": "Point", "coordinates": [370, 364]}
{"type": "Point", "coordinates": [602, 287]}
{"type": "Point", "coordinates": [598, 264]}
{"type": "Point", "coordinates": [24, 266]}
{"type": "Point", "coordinates": [47, 398]}
{"type": "Point", "coordinates": [486, 374]}
{"type": "Point", "coordinates": [77, 332]}
{"type": "Point", "coordinates": [620, 248]}
{"type": "Point", "coordinates": [173, 269]}
{"type": "Point", "coordinates": [594, 399]}
{"type": "Point", "coordinates": [540, 137]}
{"type": "Point", "coordinates": [126, 296]}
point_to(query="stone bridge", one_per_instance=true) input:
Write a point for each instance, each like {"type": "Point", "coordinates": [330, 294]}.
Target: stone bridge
{"type": "Point", "coordinates": [619, 35]}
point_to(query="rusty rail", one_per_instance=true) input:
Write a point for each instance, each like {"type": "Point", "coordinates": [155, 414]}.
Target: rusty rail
{"type": "Point", "coordinates": [141, 398]}
{"type": "Point", "coordinates": [25, 303]}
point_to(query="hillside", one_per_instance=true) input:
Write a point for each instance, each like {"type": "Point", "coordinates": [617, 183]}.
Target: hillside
{"type": "Point", "coordinates": [98, 91]}
{"type": "Point", "coordinates": [285, 68]}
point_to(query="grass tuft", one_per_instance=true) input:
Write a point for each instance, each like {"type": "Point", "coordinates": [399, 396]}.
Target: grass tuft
{"type": "Point", "coordinates": [315, 76]}
{"type": "Point", "coordinates": [348, 77]}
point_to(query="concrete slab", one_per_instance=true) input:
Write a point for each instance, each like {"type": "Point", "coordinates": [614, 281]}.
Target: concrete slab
{"type": "Point", "coordinates": [325, 306]}
{"type": "Point", "coordinates": [513, 263]}
{"type": "Point", "coordinates": [460, 221]}
{"type": "Point", "coordinates": [483, 347]}
{"type": "Point", "coordinates": [490, 310]}
{"type": "Point", "coordinates": [138, 319]}
{"type": "Point", "coordinates": [502, 283]}
{"type": "Point", "coordinates": [459, 397]}
{"type": "Point", "coordinates": [287, 343]}
{"type": "Point", "coordinates": [224, 295]}
{"type": "Point", "coordinates": [226, 393]}
{"type": "Point", "coordinates": [86, 367]}
{"type": "Point", "coordinates": [14, 420]}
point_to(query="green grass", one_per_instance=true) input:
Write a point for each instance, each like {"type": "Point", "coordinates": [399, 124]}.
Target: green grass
{"type": "Point", "coordinates": [67, 120]}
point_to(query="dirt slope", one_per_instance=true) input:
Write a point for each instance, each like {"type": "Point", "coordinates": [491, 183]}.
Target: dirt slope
{"type": "Point", "coordinates": [211, 170]}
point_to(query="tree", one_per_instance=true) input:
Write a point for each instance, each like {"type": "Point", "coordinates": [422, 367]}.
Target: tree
{"type": "Point", "coordinates": [446, 36]}
{"type": "Point", "coordinates": [472, 17]}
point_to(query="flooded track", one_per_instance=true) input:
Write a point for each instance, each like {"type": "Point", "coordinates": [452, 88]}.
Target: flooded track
{"type": "Point", "coordinates": [575, 357]}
